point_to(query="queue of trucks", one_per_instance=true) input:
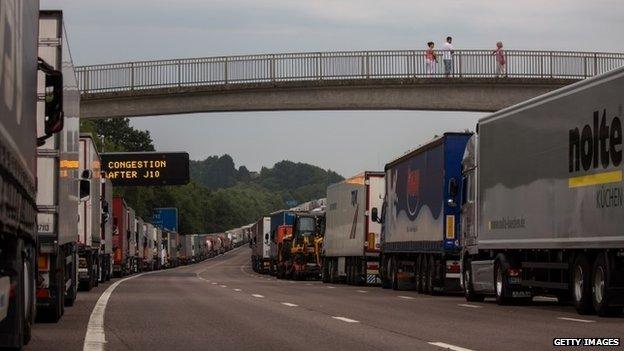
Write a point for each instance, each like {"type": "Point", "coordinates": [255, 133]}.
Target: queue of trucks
{"type": "Point", "coordinates": [531, 204]}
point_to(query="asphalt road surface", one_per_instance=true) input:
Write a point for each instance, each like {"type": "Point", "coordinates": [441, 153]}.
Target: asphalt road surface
{"type": "Point", "coordinates": [221, 304]}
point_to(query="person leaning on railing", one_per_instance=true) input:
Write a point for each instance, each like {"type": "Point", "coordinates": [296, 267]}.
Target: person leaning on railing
{"type": "Point", "coordinates": [430, 58]}
{"type": "Point", "coordinates": [501, 62]}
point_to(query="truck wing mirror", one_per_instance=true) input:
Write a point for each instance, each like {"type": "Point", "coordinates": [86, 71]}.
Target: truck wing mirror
{"type": "Point", "coordinates": [85, 189]}
{"type": "Point", "coordinates": [53, 99]}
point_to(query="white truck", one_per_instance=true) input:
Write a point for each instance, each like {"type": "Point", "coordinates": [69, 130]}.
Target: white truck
{"type": "Point", "coordinates": [352, 239]}
{"type": "Point", "coordinates": [106, 233]}
{"type": "Point", "coordinates": [58, 181]}
{"type": "Point", "coordinates": [261, 245]}
{"type": "Point", "coordinates": [542, 206]}
{"type": "Point", "coordinates": [21, 129]}
{"type": "Point", "coordinates": [148, 247]}
{"type": "Point", "coordinates": [89, 215]}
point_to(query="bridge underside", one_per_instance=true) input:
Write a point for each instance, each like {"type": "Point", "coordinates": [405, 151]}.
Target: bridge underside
{"type": "Point", "coordinates": [447, 94]}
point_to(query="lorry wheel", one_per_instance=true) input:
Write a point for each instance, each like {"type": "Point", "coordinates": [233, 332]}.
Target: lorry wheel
{"type": "Point", "coordinates": [384, 273]}
{"type": "Point", "coordinates": [431, 267]}
{"type": "Point", "coordinates": [418, 274]}
{"type": "Point", "coordinates": [469, 292]}
{"type": "Point", "coordinates": [600, 282]}
{"type": "Point", "coordinates": [325, 274]}
{"type": "Point", "coordinates": [500, 285]}
{"type": "Point", "coordinates": [394, 273]}
{"type": "Point", "coordinates": [581, 286]}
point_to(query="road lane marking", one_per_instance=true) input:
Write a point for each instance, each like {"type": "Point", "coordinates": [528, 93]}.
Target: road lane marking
{"type": "Point", "coordinates": [290, 281]}
{"type": "Point", "coordinates": [405, 297]}
{"type": "Point", "coordinates": [576, 320]}
{"type": "Point", "coordinates": [289, 304]}
{"type": "Point", "coordinates": [309, 284]}
{"type": "Point", "coordinates": [257, 295]}
{"type": "Point", "coordinates": [469, 306]}
{"type": "Point", "coordinates": [95, 338]}
{"type": "Point", "coordinates": [223, 286]}
{"type": "Point", "coordinates": [362, 291]}
{"type": "Point", "coordinates": [237, 290]}
{"type": "Point", "coordinates": [449, 346]}
{"type": "Point", "coordinates": [331, 287]}
{"type": "Point", "coordinates": [345, 319]}
{"type": "Point", "coordinates": [214, 283]}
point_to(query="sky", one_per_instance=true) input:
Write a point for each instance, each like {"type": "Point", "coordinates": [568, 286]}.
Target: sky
{"type": "Point", "coordinates": [345, 141]}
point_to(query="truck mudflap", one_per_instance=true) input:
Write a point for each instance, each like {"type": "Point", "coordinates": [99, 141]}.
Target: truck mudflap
{"type": "Point", "coordinates": [372, 273]}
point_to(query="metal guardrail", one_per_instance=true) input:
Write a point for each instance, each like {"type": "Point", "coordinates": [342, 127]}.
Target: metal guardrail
{"type": "Point", "coordinates": [318, 66]}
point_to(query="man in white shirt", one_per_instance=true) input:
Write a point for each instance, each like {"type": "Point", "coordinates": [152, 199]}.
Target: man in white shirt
{"type": "Point", "coordinates": [447, 55]}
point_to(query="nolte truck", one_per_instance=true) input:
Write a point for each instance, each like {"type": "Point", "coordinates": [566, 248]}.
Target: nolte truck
{"type": "Point", "coordinates": [352, 239]}
{"type": "Point", "coordinates": [542, 204]}
{"type": "Point", "coordinates": [19, 137]}
{"type": "Point", "coordinates": [58, 182]}
{"type": "Point", "coordinates": [420, 246]}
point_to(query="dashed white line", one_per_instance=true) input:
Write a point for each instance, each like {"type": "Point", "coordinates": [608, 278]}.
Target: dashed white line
{"type": "Point", "coordinates": [223, 286]}
{"type": "Point", "coordinates": [257, 295]}
{"type": "Point", "coordinates": [213, 283]}
{"type": "Point", "coordinates": [405, 297]}
{"type": "Point", "coordinates": [576, 320]}
{"type": "Point", "coordinates": [331, 287]}
{"type": "Point", "coordinates": [449, 346]}
{"type": "Point", "coordinates": [345, 319]}
{"type": "Point", "coordinates": [469, 306]}
{"type": "Point", "coordinates": [362, 291]}
{"type": "Point", "coordinates": [237, 290]}
{"type": "Point", "coordinates": [289, 304]}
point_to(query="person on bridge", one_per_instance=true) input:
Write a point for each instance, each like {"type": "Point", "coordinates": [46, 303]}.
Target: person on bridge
{"type": "Point", "coordinates": [447, 55]}
{"type": "Point", "coordinates": [431, 59]}
{"type": "Point", "coordinates": [501, 61]}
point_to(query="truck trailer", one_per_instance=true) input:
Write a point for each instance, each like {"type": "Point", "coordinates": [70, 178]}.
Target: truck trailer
{"type": "Point", "coordinates": [542, 208]}
{"type": "Point", "coordinates": [106, 233]}
{"type": "Point", "coordinates": [58, 181]}
{"type": "Point", "coordinates": [121, 232]}
{"type": "Point", "coordinates": [19, 137]}
{"type": "Point", "coordinates": [260, 244]}
{"type": "Point", "coordinates": [420, 246]}
{"type": "Point", "coordinates": [89, 215]}
{"type": "Point", "coordinates": [351, 245]}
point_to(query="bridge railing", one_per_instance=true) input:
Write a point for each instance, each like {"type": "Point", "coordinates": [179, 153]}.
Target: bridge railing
{"type": "Point", "coordinates": [318, 66]}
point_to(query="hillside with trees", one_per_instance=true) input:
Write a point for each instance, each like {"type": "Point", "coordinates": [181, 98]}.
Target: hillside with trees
{"type": "Point", "coordinates": [219, 196]}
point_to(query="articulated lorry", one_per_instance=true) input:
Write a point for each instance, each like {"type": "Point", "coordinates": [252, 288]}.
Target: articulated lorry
{"type": "Point", "coordinates": [89, 215]}
{"type": "Point", "coordinates": [140, 238]}
{"type": "Point", "coordinates": [19, 136]}
{"type": "Point", "coordinates": [300, 246]}
{"type": "Point", "coordinates": [542, 204]}
{"type": "Point", "coordinates": [261, 245]}
{"type": "Point", "coordinates": [106, 237]}
{"type": "Point", "coordinates": [351, 245]}
{"type": "Point", "coordinates": [121, 232]}
{"type": "Point", "coordinates": [420, 247]}
{"type": "Point", "coordinates": [58, 184]}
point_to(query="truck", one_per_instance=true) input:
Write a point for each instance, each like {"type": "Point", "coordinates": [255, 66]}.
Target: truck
{"type": "Point", "coordinates": [260, 244]}
{"type": "Point", "coordinates": [351, 245]}
{"type": "Point", "coordinates": [170, 248]}
{"type": "Point", "coordinates": [157, 248]}
{"type": "Point", "coordinates": [19, 136]}
{"type": "Point", "coordinates": [133, 245]}
{"type": "Point", "coordinates": [121, 232]}
{"type": "Point", "coordinates": [106, 231]}
{"type": "Point", "coordinates": [142, 257]}
{"type": "Point", "coordinates": [278, 218]}
{"type": "Point", "coordinates": [89, 215]}
{"type": "Point", "coordinates": [542, 208]}
{"type": "Point", "coordinates": [420, 246]}
{"type": "Point", "coordinates": [187, 253]}
{"type": "Point", "coordinates": [147, 246]}
{"type": "Point", "coordinates": [57, 181]}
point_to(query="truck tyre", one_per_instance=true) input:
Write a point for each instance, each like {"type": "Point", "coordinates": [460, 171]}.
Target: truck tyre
{"type": "Point", "coordinates": [325, 274]}
{"type": "Point", "coordinates": [581, 285]}
{"type": "Point", "coordinates": [385, 273]}
{"type": "Point", "coordinates": [601, 278]}
{"type": "Point", "coordinates": [431, 267]}
{"type": "Point", "coordinates": [469, 292]}
{"type": "Point", "coordinates": [500, 284]}
{"type": "Point", "coordinates": [394, 273]}
{"type": "Point", "coordinates": [418, 274]}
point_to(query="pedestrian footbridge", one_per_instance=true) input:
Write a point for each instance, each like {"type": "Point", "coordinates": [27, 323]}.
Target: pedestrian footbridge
{"type": "Point", "coordinates": [349, 80]}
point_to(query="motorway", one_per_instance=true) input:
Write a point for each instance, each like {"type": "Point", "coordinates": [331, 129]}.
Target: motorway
{"type": "Point", "coordinates": [221, 304]}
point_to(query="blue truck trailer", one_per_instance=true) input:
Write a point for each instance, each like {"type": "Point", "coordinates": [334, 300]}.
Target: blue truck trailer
{"type": "Point", "coordinates": [278, 218]}
{"type": "Point", "coordinates": [420, 246]}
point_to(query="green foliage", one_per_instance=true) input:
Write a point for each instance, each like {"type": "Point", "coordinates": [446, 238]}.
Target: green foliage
{"type": "Point", "coordinates": [219, 197]}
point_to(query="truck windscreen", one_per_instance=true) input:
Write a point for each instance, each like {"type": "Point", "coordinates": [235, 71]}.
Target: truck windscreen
{"type": "Point", "coordinates": [306, 225]}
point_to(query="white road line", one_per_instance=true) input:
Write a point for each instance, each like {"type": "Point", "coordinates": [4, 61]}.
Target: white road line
{"type": "Point", "coordinates": [469, 306]}
{"type": "Point", "coordinates": [213, 283]}
{"type": "Point", "coordinates": [449, 346]}
{"type": "Point", "coordinates": [223, 286]}
{"type": "Point", "coordinates": [309, 284]}
{"type": "Point", "coordinates": [362, 291]}
{"type": "Point", "coordinates": [576, 320]}
{"type": "Point", "coordinates": [95, 338]}
{"type": "Point", "coordinates": [331, 287]}
{"type": "Point", "coordinates": [237, 290]}
{"type": "Point", "coordinates": [405, 297]}
{"type": "Point", "coordinates": [345, 319]}
{"type": "Point", "coordinates": [289, 304]}
{"type": "Point", "coordinates": [257, 295]}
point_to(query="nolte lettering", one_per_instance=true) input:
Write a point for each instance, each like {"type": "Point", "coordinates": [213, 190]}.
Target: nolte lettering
{"type": "Point", "coordinates": [598, 146]}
